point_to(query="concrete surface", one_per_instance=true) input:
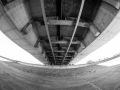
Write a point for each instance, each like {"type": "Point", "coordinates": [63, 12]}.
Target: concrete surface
{"type": "Point", "coordinates": [15, 15]}
{"type": "Point", "coordinates": [107, 22]}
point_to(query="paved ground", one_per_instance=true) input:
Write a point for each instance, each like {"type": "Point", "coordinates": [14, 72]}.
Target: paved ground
{"type": "Point", "coordinates": [14, 76]}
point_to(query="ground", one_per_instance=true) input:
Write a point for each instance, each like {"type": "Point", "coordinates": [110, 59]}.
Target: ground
{"type": "Point", "coordinates": [14, 76]}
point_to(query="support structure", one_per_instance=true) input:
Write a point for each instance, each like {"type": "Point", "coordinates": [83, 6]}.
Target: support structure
{"type": "Point", "coordinates": [67, 22]}
{"type": "Point", "coordinates": [80, 12]}
{"type": "Point", "coordinates": [23, 31]}
{"type": "Point", "coordinates": [65, 42]}
{"type": "Point", "coordinates": [60, 56]}
{"type": "Point", "coordinates": [52, 21]}
{"type": "Point", "coordinates": [63, 51]}
{"type": "Point", "coordinates": [46, 27]}
{"type": "Point", "coordinates": [37, 43]}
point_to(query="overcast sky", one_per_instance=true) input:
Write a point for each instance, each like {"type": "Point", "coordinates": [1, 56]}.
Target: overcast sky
{"type": "Point", "coordinates": [11, 50]}
{"type": "Point", "coordinates": [107, 50]}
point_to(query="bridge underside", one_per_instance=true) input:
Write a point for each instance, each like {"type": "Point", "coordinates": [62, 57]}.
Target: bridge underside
{"type": "Point", "coordinates": [56, 31]}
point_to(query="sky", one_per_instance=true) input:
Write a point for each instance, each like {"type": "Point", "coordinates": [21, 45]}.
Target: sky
{"type": "Point", "coordinates": [9, 48]}
{"type": "Point", "coordinates": [108, 50]}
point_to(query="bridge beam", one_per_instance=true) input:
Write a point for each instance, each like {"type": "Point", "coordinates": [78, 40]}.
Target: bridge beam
{"type": "Point", "coordinates": [79, 15]}
{"type": "Point", "coordinates": [46, 27]}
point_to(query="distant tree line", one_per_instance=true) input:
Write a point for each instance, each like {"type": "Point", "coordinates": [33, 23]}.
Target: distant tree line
{"type": "Point", "coordinates": [105, 59]}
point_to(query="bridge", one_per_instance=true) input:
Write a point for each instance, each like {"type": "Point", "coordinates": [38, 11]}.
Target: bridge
{"type": "Point", "coordinates": [60, 32]}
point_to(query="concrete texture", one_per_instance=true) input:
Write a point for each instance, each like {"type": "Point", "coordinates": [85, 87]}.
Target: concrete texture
{"type": "Point", "coordinates": [15, 76]}
{"type": "Point", "coordinates": [14, 16]}
{"type": "Point", "coordinates": [107, 22]}
{"type": "Point", "coordinates": [104, 25]}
